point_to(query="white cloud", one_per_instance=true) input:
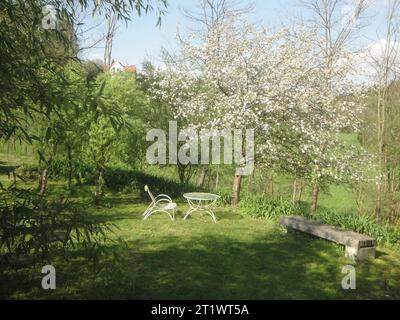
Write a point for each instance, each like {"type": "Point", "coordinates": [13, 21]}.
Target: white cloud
{"type": "Point", "coordinates": [367, 60]}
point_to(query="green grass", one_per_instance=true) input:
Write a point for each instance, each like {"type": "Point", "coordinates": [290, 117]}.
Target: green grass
{"type": "Point", "coordinates": [237, 258]}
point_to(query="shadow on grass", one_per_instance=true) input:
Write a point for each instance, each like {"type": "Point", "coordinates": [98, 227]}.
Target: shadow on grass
{"type": "Point", "coordinates": [212, 267]}
{"type": "Point", "coordinates": [380, 254]}
{"type": "Point", "coordinates": [199, 260]}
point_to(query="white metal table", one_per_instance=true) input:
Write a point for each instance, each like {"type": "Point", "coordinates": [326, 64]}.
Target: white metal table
{"type": "Point", "coordinates": [201, 202]}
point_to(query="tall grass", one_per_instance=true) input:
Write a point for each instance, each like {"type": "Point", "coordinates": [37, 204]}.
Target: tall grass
{"type": "Point", "coordinates": [262, 207]}
{"type": "Point", "coordinates": [274, 209]}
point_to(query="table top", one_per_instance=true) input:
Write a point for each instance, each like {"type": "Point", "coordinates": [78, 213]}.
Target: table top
{"type": "Point", "coordinates": [201, 196]}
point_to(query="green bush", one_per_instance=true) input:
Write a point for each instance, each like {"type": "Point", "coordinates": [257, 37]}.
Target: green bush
{"type": "Point", "coordinates": [34, 227]}
{"type": "Point", "coordinates": [225, 197]}
{"type": "Point", "coordinates": [29, 171]}
{"type": "Point", "coordinates": [134, 181]}
{"type": "Point", "coordinates": [118, 179]}
{"type": "Point", "coordinates": [262, 207]}
{"type": "Point", "coordinates": [58, 169]}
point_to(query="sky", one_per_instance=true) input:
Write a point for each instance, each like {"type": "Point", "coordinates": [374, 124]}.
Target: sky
{"type": "Point", "coordinates": [142, 39]}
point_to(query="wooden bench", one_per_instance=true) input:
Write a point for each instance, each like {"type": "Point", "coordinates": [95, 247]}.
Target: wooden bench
{"type": "Point", "coordinates": [358, 246]}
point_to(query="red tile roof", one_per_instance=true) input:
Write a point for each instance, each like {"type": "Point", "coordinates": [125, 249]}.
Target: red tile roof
{"type": "Point", "coordinates": [131, 68]}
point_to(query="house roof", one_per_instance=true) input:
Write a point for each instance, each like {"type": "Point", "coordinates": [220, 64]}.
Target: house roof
{"type": "Point", "coordinates": [130, 68]}
{"type": "Point", "coordinates": [116, 62]}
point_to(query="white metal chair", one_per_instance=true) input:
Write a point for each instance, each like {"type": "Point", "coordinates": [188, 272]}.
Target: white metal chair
{"type": "Point", "coordinates": [161, 203]}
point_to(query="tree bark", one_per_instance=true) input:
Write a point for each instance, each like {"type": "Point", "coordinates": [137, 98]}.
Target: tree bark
{"type": "Point", "coordinates": [99, 186]}
{"type": "Point", "coordinates": [271, 186]}
{"type": "Point", "coordinates": [314, 198]}
{"type": "Point", "coordinates": [300, 191]}
{"type": "Point", "coordinates": [14, 179]}
{"type": "Point", "coordinates": [111, 30]}
{"type": "Point", "coordinates": [251, 182]}
{"type": "Point", "coordinates": [43, 181]}
{"type": "Point", "coordinates": [202, 177]}
{"type": "Point", "coordinates": [297, 191]}
{"type": "Point", "coordinates": [236, 190]}
{"type": "Point", "coordinates": [378, 203]}
{"type": "Point", "coordinates": [69, 154]}
{"type": "Point", "coordinates": [78, 179]}
{"type": "Point", "coordinates": [294, 195]}
{"type": "Point", "coordinates": [217, 179]}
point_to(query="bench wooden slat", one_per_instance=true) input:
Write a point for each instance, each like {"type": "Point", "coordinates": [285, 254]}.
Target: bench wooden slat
{"type": "Point", "coordinates": [331, 233]}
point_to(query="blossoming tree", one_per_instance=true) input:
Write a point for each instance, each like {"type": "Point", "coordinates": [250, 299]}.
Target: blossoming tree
{"type": "Point", "coordinates": [238, 76]}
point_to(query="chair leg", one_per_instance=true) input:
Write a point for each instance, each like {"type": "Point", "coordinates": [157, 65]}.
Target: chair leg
{"type": "Point", "coordinates": [149, 208]}
{"type": "Point", "coordinates": [172, 217]}
{"type": "Point", "coordinates": [149, 212]}
{"type": "Point", "coordinates": [147, 216]}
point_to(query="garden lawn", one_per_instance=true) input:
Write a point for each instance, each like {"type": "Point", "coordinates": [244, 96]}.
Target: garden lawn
{"type": "Point", "coordinates": [237, 258]}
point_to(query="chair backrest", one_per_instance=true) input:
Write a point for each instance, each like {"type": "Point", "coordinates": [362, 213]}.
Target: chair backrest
{"type": "Point", "coordinates": [146, 188]}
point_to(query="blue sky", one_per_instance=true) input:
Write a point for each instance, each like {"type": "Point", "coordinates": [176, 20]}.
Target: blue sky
{"type": "Point", "coordinates": [142, 39]}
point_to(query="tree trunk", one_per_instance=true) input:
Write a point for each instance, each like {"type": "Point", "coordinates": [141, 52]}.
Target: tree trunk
{"type": "Point", "coordinates": [217, 178]}
{"type": "Point", "coordinates": [182, 173]}
{"type": "Point", "coordinates": [271, 186]}
{"type": "Point", "coordinates": [394, 201]}
{"type": "Point", "coordinates": [294, 195]}
{"type": "Point", "coordinates": [109, 40]}
{"type": "Point", "coordinates": [251, 182]}
{"type": "Point", "coordinates": [78, 179]}
{"type": "Point", "coordinates": [300, 191]}
{"type": "Point", "coordinates": [202, 178]}
{"type": "Point", "coordinates": [297, 191]}
{"type": "Point", "coordinates": [99, 186]}
{"type": "Point", "coordinates": [360, 200]}
{"type": "Point", "coordinates": [378, 203]}
{"type": "Point", "coordinates": [43, 181]}
{"type": "Point", "coordinates": [314, 198]}
{"type": "Point", "coordinates": [14, 179]}
{"type": "Point", "coordinates": [69, 154]}
{"type": "Point", "coordinates": [236, 190]}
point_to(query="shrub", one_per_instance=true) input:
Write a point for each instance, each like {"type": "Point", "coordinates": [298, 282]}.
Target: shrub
{"type": "Point", "coordinates": [134, 181]}
{"type": "Point", "coordinates": [59, 169]}
{"type": "Point", "coordinates": [262, 207]}
{"type": "Point", "coordinates": [28, 171]}
{"type": "Point", "coordinates": [32, 226]}
{"type": "Point", "coordinates": [225, 197]}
